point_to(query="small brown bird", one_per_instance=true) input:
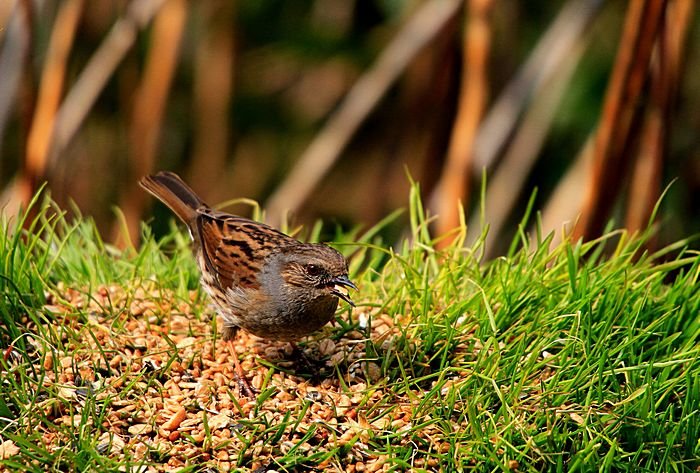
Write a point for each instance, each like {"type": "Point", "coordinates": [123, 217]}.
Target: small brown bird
{"type": "Point", "coordinates": [260, 279]}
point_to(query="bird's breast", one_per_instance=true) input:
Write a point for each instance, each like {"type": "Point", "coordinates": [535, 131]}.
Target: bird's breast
{"type": "Point", "coordinates": [279, 318]}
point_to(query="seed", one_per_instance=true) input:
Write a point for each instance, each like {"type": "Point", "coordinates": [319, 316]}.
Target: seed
{"type": "Point", "coordinates": [140, 429]}
{"type": "Point", "coordinates": [326, 347]}
{"type": "Point", "coordinates": [176, 419]}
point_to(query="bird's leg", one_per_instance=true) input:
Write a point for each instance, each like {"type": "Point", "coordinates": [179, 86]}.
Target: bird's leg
{"type": "Point", "coordinates": [244, 387]}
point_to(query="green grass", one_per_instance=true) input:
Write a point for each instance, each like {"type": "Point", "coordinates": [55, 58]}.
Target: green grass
{"type": "Point", "coordinates": [575, 357]}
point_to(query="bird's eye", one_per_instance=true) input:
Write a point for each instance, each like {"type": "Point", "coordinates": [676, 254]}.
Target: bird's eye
{"type": "Point", "coordinates": [313, 270]}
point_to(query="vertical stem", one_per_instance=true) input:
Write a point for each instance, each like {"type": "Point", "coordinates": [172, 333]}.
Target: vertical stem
{"type": "Point", "coordinates": [149, 108]}
{"type": "Point", "coordinates": [611, 153]}
{"type": "Point", "coordinates": [454, 183]}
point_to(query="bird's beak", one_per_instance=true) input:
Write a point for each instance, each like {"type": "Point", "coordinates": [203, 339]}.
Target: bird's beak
{"type": "Point", "coordinates": [339, 288]}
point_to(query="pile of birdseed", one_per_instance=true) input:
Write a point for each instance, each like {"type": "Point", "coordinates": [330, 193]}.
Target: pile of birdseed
{"type": "Point", "coordinates": [150, 371]}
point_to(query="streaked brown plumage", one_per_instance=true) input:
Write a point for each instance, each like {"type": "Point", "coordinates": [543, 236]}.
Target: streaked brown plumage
{"type": "Point", "coordinates": [260, 279]}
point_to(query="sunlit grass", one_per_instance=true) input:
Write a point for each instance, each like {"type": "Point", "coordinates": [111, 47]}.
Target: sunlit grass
{"type": "Point", "coordinates": [575, 357]}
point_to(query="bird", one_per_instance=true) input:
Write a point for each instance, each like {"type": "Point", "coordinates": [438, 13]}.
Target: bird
{"type": "Point", "coordinates": [258, 278]}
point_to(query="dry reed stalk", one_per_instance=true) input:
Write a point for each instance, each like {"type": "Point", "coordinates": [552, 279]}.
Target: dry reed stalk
{"type": "Point", "coordinates": [15, 47]}
{"type": "Point", "coordinates": [453, 186]}
{"type": "Point", "coordinates": [99, 69]}
{"type": "Point", "coordinates": [50, 91]}
{"type": "Point", "coordinates": [505, 186]}
{"type": "Point", "coordinates": [14, 51]}
{"type": "Point", "coordinates": [647, 176]}
{"type": "Point", "coordinates": [149, 108]}
{"type": "Point", "coordinates": [619, 119]}
{"type": "Point", "coordinates": [553, 47]}
{"type": "Point", "coordinates": [213, 89]}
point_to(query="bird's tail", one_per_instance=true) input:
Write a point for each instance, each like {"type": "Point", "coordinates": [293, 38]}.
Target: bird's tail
{"type": "Point", "coordinates": [173, 192]}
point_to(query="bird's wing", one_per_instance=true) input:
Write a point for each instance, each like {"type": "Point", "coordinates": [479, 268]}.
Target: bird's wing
{"type": "Point", "coordinates": [235, 248]}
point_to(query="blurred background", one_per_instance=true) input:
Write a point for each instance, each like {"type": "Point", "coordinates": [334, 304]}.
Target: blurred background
{"type": "Point", "coordinates": [324, 108]}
